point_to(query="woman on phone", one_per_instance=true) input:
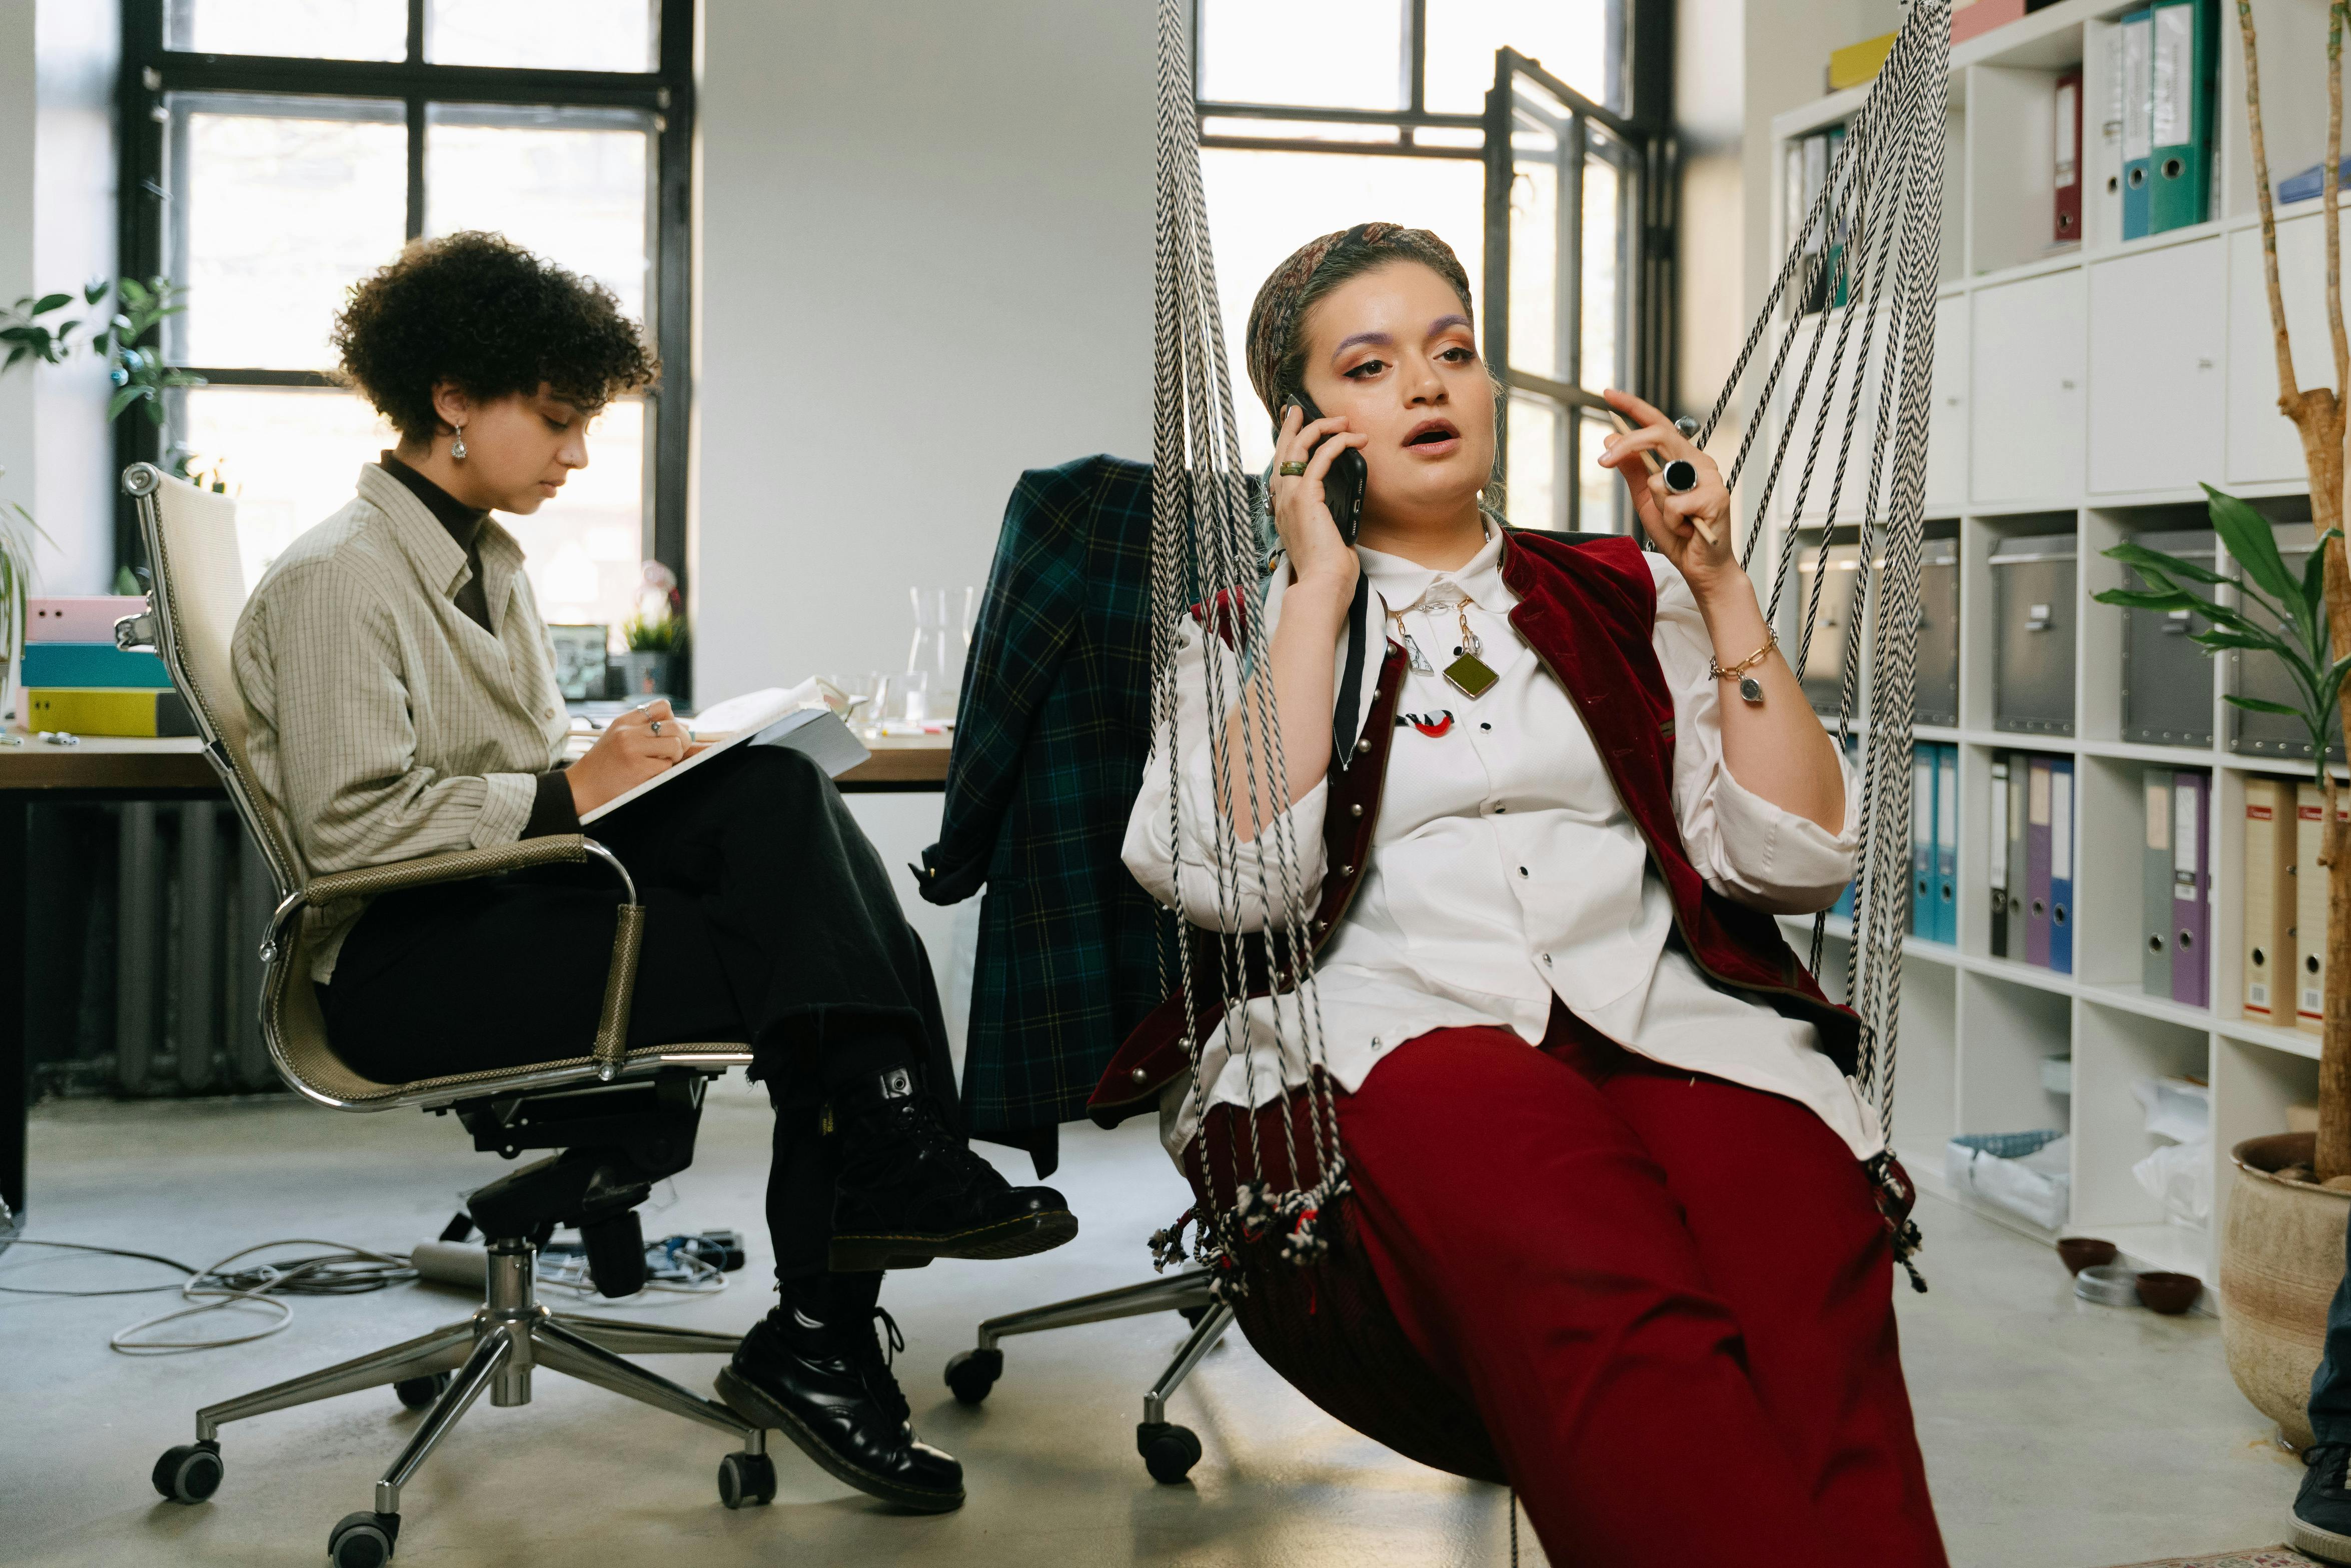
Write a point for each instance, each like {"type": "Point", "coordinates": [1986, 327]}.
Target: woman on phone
{"type": "Point", "coordinates": [402, 692]}
{"type": "Point", "coordinates": [1613, 1183]}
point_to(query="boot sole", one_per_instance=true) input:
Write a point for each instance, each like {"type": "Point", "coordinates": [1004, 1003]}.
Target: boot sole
{"type": "Point", "coordinates": [745, 1399]}
{"type": "Point", "coordinates": [2322, 1544]}
{"type": "Point", "coordinates": [1017, 1238]}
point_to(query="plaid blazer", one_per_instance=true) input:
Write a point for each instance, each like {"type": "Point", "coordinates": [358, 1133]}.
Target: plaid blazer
{"type": "Point", "coordinates": [1053, 732]}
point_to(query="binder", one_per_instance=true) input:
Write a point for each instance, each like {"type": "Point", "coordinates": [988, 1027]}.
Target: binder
{"type": "Point", "coordinates": [2155, 886]}
{"type": "Point", "coordinates": [2186, 42]}
{"type": "Point", "coordinates": [2036, 861]}
{"type": "Point", "coordinates": [1922, 842]}
{"type": "Point", "coordinates": [1816, 178]}
{"type": "Point", "coordinates": [78, 618]}
{"type": "Point", "coordinates": [2191, 903]}
{"type": "Point", "coordinates": [2065, 168]}
{"type": "Point", "coordinates": [92, 664]}
{"type": "Point", "coordinates": [2139, 114]}
{"type": "Point", "coordinates": [1857, 63]}
{"type": "Point", "coordinates": [1843, 908]}
{"type": "Point", "coordinates": [1947, 844]}
{"type": "Point", "coordinates": [86, 711]}
{"type": "Point", "coordinates": [2018, 786]}
{"type": "Point", "coordinates": [1837, 281]}
{"type": "Point", "coordinates": [2309, 911]}
{"type": "Point", "coordinates": [2269, 900]}
{"type": "Point", "coordinates": [2061, 864]}
{"type": "Point", "coordinates": [1996, 853]}
{"type": "Point", "coordinates": [1972, 21]}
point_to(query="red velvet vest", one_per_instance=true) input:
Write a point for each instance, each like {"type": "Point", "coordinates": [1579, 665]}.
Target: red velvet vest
{"type": "Point", "coordinates": [1587, 609]}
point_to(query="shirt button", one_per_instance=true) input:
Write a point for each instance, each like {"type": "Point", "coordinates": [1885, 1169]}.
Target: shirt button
{"type": "Point", "coordinates": [1546, 960]}
{"type": "Point", "coordinates": [1500, 810]}
{"type": "Point", "coordinates": [1522, 870]}
{"type": "Point", "coordinates": [1375, 1042]}
{"type": "Point", "coordinates": [1483, 724]}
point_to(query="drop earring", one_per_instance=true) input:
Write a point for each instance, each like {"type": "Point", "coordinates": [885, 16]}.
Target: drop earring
{"type": "Point", "coordinates": [457, 447]}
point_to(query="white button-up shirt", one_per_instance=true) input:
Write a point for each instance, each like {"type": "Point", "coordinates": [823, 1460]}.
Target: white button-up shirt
{"type": "Point", "coordinates": [1504, 871]}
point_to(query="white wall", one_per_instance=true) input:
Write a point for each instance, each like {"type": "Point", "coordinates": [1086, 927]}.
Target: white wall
{"type": "Point", "coordinates": [925, 265]}
{"type": "Point", "coordinates": [80, 46]}
{"type": "Point", "coordinates": [17, 100]}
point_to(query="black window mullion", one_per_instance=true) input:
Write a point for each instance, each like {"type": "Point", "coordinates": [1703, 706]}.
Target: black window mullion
{"type": "Point", "coordinates": [141, 198]}
{"type": "Point", "coordinates": [416, 32]}
{"type": "Point", "coordinates": [674, 303]}
{"type": "Point", "coordinates": [415, 216]}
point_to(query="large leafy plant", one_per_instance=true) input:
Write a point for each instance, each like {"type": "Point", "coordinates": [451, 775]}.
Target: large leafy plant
{"type": "Point", "coordinates": [124, 338]}
{"type": "Point", "coordinates": [2291, 627]}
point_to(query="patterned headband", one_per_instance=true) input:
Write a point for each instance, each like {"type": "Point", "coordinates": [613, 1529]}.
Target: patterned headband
{"type": "Point", "coordinates": [1274, 317]}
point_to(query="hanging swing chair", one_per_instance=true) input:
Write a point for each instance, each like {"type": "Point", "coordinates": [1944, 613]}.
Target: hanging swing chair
{"type": "Point", "coordinates": [1274, 1227]}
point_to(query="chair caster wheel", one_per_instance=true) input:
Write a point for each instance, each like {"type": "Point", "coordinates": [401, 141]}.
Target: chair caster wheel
{"type": "Point", "coordinates": [189, 1473]}
{"type": "Point", "coordinates": [1169, 1451]}
{"type": "Point", "coordinates": [363, 1540]}
{"type": "Point", "coordinates": [746, 1481]}
{"type": "Point", "coordinates": [1194, 1314]}
{"type": "Point", "coordinates": [971, 1374]}
{"type": "Point", "coordinates": [419, 1393]}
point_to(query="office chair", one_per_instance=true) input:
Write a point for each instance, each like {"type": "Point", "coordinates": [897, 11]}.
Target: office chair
{"type": "Point", "coordinates": [620, 1120]}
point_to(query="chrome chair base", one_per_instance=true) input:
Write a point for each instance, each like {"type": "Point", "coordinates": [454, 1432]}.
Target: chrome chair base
{"type": "Point", "coordinates": [1169, 1451]}
{"type": "Point", "coordinates": [495, 1351]}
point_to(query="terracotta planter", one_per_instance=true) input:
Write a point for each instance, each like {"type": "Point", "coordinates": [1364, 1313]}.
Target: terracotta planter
{"type": "Point", "coordinates": [2281, 1258]}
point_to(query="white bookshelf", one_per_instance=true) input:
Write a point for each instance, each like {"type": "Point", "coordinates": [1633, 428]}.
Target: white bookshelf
{"type": "Point", "coordinates": [2088, 390]}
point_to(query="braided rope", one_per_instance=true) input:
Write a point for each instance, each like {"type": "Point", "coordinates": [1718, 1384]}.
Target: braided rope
{"type": "Point", "coordinates": [1878, 214]}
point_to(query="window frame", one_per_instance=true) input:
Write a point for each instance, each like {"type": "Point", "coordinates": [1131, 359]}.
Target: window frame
{"type": "Point", "coordinates": [665, 94]}
{"type": "Point", "coordinates": [1638, 113]}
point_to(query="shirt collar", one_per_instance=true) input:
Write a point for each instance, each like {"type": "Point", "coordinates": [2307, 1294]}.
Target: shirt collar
{"type": "Point", "coordinates": [441, 562]}
{"type": "Point", "coordinates": [1402, 583]}
{"type": "Point", "coordinates": [463, 522]}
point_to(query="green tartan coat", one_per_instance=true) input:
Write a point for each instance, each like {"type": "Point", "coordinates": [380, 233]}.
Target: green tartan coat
{"type": "Point", "coordinates": [1052, 734]}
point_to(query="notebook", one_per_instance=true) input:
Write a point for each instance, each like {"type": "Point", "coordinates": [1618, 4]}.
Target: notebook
{"type": "Point", "coordinates": [773, 716]}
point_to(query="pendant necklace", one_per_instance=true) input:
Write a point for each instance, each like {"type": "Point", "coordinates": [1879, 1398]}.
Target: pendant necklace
{"type": "Point", "coordinates": [1469, 675]}
{"type": "Point", "coordinates": [1419, 660]}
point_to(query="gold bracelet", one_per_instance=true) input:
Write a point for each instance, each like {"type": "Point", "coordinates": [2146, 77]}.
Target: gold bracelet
{"type": "Point", "coordinates": [1748, 687]}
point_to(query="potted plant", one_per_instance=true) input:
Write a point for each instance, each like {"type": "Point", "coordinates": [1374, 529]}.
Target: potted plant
{"type": "Point", "coordinates": [655, 634]}
{"type": "Point", "coordinates": [2281, 1246]}
{"type": "Point", "coordinates": [17, 531]}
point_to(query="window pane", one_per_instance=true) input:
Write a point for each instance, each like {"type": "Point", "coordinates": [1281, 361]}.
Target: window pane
{"type": "Point", "coordinates": [1263, 205]}
{"type": "Point", "coordinates": [568, 185]}
{"type": "Point", "coordinates": [1604, 237]}
{"type": "Point", "coordinates": [1570, 38]}
{"type": "Point", "coordinates": [544, 34]}
{"type": "Point", "coordinates": [1532, 496]}
{"type": "Point", "coordinates": [282, 205]}
{"type": "Point", "coordinates": [1535, 244]}
{"type": "Point", "coordinates": [1604, 499]}
{"type": "Point", "coordinates": [324, 29]}
{"type": "Point", "coordinates": [290, 457]}
{"type": "Point", "coordinates": [585, 548]}
{"type": "Point", "coordinates": [1329, 54]}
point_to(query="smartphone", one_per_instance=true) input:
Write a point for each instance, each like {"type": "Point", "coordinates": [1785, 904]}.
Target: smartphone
{"type": "Point", "coordinates": [1343, 483]}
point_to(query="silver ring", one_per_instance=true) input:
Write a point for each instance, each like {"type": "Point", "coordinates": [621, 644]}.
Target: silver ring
{"type": "Point", "coordinates": [656, 726]}
{"type": "Point", "coordinates": [1681, 475]}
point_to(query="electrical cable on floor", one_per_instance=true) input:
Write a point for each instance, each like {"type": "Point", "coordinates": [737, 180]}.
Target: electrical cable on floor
{"type": "Point", "coordinates": [678, 1266]}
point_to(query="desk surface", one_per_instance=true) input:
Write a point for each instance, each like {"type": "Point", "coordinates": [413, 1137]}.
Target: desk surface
{"type": "Point", "coordinates": [101, 762]}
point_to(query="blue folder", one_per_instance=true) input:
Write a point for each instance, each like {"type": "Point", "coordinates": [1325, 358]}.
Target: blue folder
{"type": "Point", "coordinates": [92, 664]}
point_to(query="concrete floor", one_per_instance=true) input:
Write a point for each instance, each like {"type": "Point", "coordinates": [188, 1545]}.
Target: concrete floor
{"type": "Point", "coordinates": [2058, 1434]}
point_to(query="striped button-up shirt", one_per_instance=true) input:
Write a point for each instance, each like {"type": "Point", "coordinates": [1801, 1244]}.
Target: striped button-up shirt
{"type": "Point", "coordinates": [385, 724]}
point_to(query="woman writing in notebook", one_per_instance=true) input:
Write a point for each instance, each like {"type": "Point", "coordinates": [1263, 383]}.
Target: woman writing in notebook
{"type": "Point", "coordinates": [402, 694]}
{"type": "Point", "coordinates": [1611, 1183]}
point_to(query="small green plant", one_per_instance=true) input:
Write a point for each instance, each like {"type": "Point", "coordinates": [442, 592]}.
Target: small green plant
{"type": "Point", "coordinates": [17, 532]}
{"type": "Point", "coordinates": [125, 339]}
{"type": "Point", "coordinates": [653, 635]}
{"type": "Point", "coordinates": [2295, 632]}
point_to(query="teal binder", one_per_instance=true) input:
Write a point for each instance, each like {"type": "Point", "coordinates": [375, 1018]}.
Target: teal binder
{"type": "Point", "coordinates": [1947, 844]}
{"type": "Point", "coordinates": [2139, 114]}
{"type": "Point", "coordinates": [2185, 45]}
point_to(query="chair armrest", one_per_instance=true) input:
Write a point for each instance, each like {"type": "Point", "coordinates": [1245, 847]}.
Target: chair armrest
{"type": "Point", "coordinates": [458, 865]}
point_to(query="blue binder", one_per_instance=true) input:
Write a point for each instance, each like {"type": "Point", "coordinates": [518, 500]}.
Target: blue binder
{"type": "Point", "coordinates": [2061, 864]}
{"type": "Point", "coordinates": [2138, 118]}
{"type": "Point", "coordinates": [1947, 844]}
{"type": "Point", "coordinates": [1923, 774]}
{"type": "Point", "coordinates": [93, 664]}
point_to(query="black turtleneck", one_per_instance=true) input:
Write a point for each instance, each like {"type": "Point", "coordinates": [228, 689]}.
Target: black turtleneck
{"type": "Point", "coordinates": [552, 811]}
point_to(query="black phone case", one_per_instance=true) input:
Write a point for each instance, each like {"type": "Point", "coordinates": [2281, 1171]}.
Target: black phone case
{"type": "Point", "coordinates": [1343, 485]}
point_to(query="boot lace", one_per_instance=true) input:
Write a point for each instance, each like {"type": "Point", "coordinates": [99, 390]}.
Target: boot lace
{"type": "Point", "coordinates": [877, 1358]}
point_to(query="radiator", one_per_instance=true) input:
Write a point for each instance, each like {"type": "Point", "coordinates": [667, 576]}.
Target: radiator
{"type": "Point", "coordinates": [144, 959]}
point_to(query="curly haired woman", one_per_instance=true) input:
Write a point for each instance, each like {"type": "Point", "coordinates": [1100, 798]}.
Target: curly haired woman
{"type": "Point", "coordinates": [1614, 1229]}
{"type": "Point", "coordinates": [402, 699]}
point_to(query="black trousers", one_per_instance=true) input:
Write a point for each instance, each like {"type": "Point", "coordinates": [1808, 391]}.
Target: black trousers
{"type": "Point", "coordinates": [768, 918]}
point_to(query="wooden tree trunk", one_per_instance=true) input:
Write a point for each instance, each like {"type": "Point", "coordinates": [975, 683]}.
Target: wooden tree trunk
{"type": "Point", "coordinates": [2318, 418]}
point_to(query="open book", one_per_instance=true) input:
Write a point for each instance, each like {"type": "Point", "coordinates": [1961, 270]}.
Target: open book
{"type": "Point", "coordinates": [772, 715]}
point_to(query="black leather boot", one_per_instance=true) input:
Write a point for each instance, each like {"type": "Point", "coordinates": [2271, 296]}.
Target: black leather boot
{"type": "Point", "coordinates": [910, 1191]}
{"type": "Point", "coordinates": [822, 1377]}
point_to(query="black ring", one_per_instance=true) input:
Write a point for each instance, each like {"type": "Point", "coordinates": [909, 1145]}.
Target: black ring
{"type": "Point", "coordinates": [1681, 475]}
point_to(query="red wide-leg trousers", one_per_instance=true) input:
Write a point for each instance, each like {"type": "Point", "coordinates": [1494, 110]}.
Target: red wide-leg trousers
{"type": "Point", "coordinates": [1670, 1299]}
